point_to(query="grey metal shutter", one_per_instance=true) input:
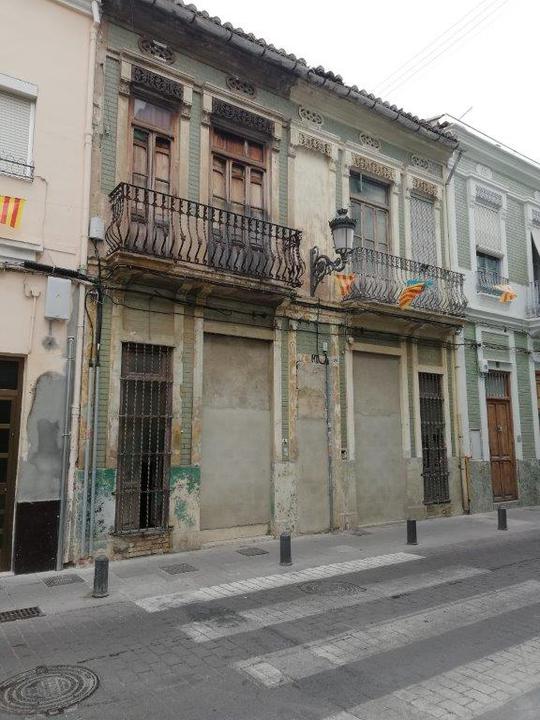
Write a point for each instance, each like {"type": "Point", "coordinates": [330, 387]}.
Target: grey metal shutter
{"type": "Point", "coordinates": [423, 239]}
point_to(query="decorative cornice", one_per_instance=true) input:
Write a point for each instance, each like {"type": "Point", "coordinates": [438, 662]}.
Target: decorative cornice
{"type": "Point", "coordinates": [425, 187]}
{"type": "Point", "coordinates": [315, 144]}
{"type": "Point", "coordinates": [369, 141]}
{"type": "Point", "coordinates": [485, 196]}
{"type": "Point", "coordinates": [242, 86]}
{"type": "Point", "coordinates": [372, 167]}
{"type": "Point", "coordinates": [310, 116]}
{"type": "Point", "coordinates": [239, 116]}
{"type": "Point", "coordinates": [141, 77]}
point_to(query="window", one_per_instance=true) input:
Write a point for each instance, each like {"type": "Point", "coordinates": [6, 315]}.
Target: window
{"type": "Point", "coordinates": [238, 174]}
{"type": "Point", "coordinates": [369, 207]}
{"type": "Point", "coordinates": [152, 141]}
{"type": "Point", "coordinates": [434, 453]}
{"type": "Point", "coordinates": [144, 436]}
{"type": "Point", "coordinates": [423, 238]}
{"type": "Point", "coordinates": [16, 134]}
{"type": "Point", "coordinates": [488, 273]}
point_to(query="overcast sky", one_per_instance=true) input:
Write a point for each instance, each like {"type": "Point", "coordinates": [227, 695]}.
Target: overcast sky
{"type": "Point", "coordinates": [492, 64]}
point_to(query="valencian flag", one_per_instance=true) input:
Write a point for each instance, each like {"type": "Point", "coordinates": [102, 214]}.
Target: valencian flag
{"type": "Point", "coordinates": [345, 282]}
{"type": "Point", "coordinates": [11, 209]}
{"type": "Point", "coordinates": [507, 294]}
{"type": "Point", "coordinates": [412, 289]}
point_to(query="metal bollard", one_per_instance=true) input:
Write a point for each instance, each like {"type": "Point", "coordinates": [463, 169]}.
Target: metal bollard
{"type": "Point", "coordinates": [285, 549]}
{"type": "Point", "coordinates": [501, 519]}
{"type": "Point", "coordinates": [411, 532]}
{"type": "Point", "coordinates": [101, 577]}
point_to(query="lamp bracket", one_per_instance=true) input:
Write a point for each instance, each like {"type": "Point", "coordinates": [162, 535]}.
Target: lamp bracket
{"type": "Point", "coordinates": [322, 265]}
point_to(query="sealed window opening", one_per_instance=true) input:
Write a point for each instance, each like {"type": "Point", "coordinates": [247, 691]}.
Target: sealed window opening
{"type": "Point", "coordinates": [144, 446]}
{"type": "Point", "coordinates": [423, 235]}
{"type": "Point", "coordinates": [434, 452]}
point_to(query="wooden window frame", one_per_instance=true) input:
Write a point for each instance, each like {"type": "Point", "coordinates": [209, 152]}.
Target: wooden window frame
{"type": "Point", "coordinates": [360, 200]}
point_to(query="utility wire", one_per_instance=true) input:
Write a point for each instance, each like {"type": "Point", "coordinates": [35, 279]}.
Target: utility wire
{"type": "Point", "coordinates": [406, 74]}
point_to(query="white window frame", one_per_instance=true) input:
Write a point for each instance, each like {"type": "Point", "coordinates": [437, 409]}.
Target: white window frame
{"type": "Point", "coordinates": [28, 91]}
{"type": "Point", "coordinates": [472, 185]}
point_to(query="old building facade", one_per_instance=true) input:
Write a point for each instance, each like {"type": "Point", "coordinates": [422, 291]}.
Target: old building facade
{"type": "Point", "coordinates": [230, 387]}
{"type": "Point", "coordinates": [495, 233]}
{"type": "Point", "coordinates": [45, 154]}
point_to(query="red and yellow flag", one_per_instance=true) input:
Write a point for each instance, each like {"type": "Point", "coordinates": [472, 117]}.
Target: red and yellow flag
{"type": "Point", "coordinates": [507, 294]}
{"type": "Point", "coordinates": [412, 289]}
{"type": "Point", "coordinates": [345, 281]}
{"type": "Point", "coordinates": [11, 209]}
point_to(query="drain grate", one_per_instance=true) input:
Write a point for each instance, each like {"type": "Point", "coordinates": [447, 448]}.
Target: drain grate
{"type": "Point", "coordinates": [67, 579]}
{"type": "Point", "coordinates": [251, 551]}
{"type": "Point", "coordinates": [330, 587]}
{"type": "Point", "coordinates": [178, 568]}
{"type": "Point", "coordinates": [20, 614]}
{"type": "Point", "coordinates": [47, 690]}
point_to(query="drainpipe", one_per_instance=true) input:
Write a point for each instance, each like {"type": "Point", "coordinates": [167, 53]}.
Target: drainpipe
{"type": "Point", "coordinates": [328, 412]}
{"type": "Point", "coordinates": [94, 433]}
{"type": "Point", "coordinates": [66, 435]}
{"type": "Point", "coordinates": [83, 254]}
{"type": "Point", "coordinates": [84, 505]}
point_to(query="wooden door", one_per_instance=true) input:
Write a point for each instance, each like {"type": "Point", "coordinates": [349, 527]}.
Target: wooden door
{"type": "Point", "coordinates": [10, 401]}
{"type": "Point", "coordinates": [501, 437]}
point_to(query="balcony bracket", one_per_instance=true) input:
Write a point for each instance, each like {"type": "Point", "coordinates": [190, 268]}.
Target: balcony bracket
{"type": "Point", "coordinates": [322, 265]}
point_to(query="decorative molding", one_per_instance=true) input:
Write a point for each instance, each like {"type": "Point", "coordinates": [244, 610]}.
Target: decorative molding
{"type": "Point", "coordinates": [369, 141]}
{"type": "Point", "coordinates": [485, 196]}
{"type": "Point", "coordinates": [425, 164]}
{"type": "Point", "coordinates": [124, 88]}
{"type": "Point", "coordinates": [310, 116]}
{"type": "Point", "coordinates": [242, 86]}
{"type": "Point", "coordinates": [535, 217]}
{"type": "Point", "coordinates": [425, 187]}
{"type": "Point", "coordinates": [484, 171]}
{"type": "Point", "coordinates": [372, 167]}
{"type": "Point", "coordinates": [156, 83]}
{"type": "Point", "coordinates": [158, 50]}
{"type": "Point", "coordinates": [315, 144]}
{"type": "Point", "coordinates": [239, 116]}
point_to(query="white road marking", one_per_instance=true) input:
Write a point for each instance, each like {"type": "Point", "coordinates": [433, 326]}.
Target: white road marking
{"type": "Point", "coordinates": [269, 582]}
{"type": "Point", "coordinates": [465, 692]}
{"type": "Point", "coordinates": [248, 620]}
{"type": "Point", "coordinates": [284, 666]}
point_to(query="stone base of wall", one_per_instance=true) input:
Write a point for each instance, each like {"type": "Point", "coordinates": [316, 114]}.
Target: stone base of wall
{"type": "Point", "coordinates": [481, 492]}
{"type": "Point", "coordinates": [122, 547]}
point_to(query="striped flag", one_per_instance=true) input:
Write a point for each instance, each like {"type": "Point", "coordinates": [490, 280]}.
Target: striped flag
{"type": "Point", "coordinates": [345, 281]}
{"type": "Point", "coordinates": [507, 294]}
{"type": "Point", "coordinates": [11, 209]}
{"type": "Point", "coordinates": [412, 289]}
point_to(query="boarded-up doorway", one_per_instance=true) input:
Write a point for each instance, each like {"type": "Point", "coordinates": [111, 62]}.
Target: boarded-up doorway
{"type": "Point", "coordinates": [380, 481]}
{"type": "Point", "coordinates": [501, 436]}
{"type": "Point", "coordinates": [236, 433]}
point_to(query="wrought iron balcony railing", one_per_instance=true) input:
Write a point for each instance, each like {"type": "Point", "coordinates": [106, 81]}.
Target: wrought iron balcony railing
{"type": "Point", "coordinates": [533, 300]}
{"type": "Point", "coordinates": [381, 278]}
{"type": "Point", "coordinates": [487, 281]}
{"type": "Point", "coordinates": [154, 224]}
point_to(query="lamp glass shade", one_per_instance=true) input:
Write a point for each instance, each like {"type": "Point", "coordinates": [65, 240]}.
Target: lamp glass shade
{"type": "Point", "coordinates": [342, 227]}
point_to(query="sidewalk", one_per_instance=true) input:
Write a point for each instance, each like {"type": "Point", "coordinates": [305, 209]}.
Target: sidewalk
{"type": "Point", "coordinates": [137, 579]}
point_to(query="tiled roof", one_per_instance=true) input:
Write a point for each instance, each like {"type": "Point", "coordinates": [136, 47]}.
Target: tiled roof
{"type": "Point", "coordinates": [316, 76]}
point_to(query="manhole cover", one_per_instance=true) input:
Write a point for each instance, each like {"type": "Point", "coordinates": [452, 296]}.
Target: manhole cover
{"type": "Point", "coordinates": [177, 569]}
{"type": "Point", "coordinates": [47, 690]}
{"type": "Point", "coordinates": [56, 580]}
{"type": "Point", "coordinates": [20, 614]}
{"type": "Point", "coordinates": [330, 587]}
{"type": "Point", "coordinates": [249, 551]}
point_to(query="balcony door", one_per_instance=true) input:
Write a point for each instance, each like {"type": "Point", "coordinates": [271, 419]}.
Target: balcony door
{"type": "Point", "coordinates": [239, 239]}
{"type": "Point", "coordinates": [501, 436]}
{"type": "Point", "coordinates": [151, 174]}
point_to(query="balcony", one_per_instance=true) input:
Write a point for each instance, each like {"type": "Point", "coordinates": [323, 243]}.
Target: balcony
{"type": "Point", "coordinates": [381, 278]}
{"type": "Point", "coordinates": [487, 281]}
{"type": "Point", "coordinates": [533, 300]}
{"type": "Point", "coordinates": [153, 224]}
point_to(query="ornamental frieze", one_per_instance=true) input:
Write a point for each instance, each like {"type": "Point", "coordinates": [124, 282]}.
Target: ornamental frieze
{"type": "Point", "coordinates": [315, 144]}
{"type": "Point", "coordinates": [239, 116]}
{"type": "Point", "coordinates": [425, 187]}
{"type": "Point", "coordinates": [148, 80]}
{"type": "Point", "coordinates": [371, 142]}
{"type": "Point", "coordinates": [372, 167]}
{"type": "Point", "coordinates": [485, 196]}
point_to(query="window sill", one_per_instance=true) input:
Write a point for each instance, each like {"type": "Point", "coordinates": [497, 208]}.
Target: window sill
{"type": "Point", "coordinates": [16, 176]}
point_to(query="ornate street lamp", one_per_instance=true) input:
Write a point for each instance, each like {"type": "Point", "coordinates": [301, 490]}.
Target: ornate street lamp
{"type": "Point", "coordinates": [342, 227]}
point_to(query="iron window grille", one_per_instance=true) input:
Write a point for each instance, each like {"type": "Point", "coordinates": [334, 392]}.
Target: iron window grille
{"type": "Point", "coordinates": [144, 437]}
{"type": "Point", "coordinates": [434, 453]}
